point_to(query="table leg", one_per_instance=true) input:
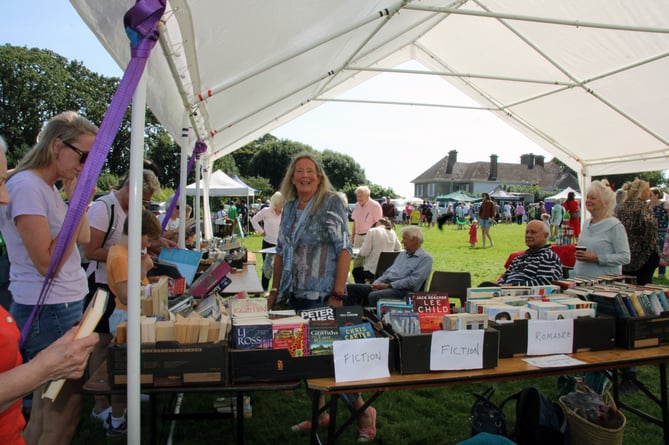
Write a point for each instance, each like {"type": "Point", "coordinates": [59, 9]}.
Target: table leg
{"type": "Point", "coordinates": [315, 409]}
{"type": "Point", "coordinates": [153, 405]}
{"type": "Point", "coordinates": [332, 426]}
{"type": "Point", "coordinates": [665, 402]}
{"type": "Point", "coordinates": [240, 417]}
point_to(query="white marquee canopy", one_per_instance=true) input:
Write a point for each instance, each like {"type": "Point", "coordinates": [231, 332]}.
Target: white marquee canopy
{"type": "Point", "coordinates": [586, 80]}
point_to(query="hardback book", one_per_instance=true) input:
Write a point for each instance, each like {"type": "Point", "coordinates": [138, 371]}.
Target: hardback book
{"type": "Point", "coordinates": [322, 316]}
{"type": "Point", "coordinates": [244, 307]}
{"type": "Point", "coordinates": [483, 292]}
{"type": "Point", "coordinates": [159, 297]}
{"type": "Point", "coordinates": [404, 322]}
{"type": "Point", "coordinates": [568, 313]}
{"type": "Point", "coordinates": [89, 320]}
{"type": "Point", "coordinates": [430, 302]}
{"type": "Point", "coordinates": [464, 321]}
{"type": "Point", "coordinates": [252, 333]}
{"type": "Point", "coordinates": [387, 305]}
{"type": "Point", "coordinates": [357, 331]}
{"type": "Point", "coordinates": [291, 333]}
{"type": "Point", "coordinates": [321, 339]}
{"type": "Point", "coordinates": [431, 321]}
{"type": "Point", "coordinates": [348, 315]}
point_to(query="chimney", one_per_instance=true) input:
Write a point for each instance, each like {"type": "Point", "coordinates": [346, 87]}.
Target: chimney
{"type": "Point", "coordinates": [539, 160]}
{"type": "Point", "coordinates": [493, 168]}
{"type": "Point", "coordinates": [524, 159]}
{"type": "Point", "coordinates": [452, 159]}
{"type": "Point", "coordinates": [530, 161]}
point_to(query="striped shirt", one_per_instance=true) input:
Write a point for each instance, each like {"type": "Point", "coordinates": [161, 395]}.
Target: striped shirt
{"type": "Point", "coordinates": [534, 267]}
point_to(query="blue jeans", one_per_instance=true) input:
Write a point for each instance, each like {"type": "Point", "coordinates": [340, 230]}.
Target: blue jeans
{"type": "Point", "coordinates": [52, 321]}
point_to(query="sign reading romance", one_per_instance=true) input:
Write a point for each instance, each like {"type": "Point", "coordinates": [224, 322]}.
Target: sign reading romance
{"type": "Point", "coordinates": [550, 337]}
{"type": "Point", "coordinates": [361, 359]}
{"type": "Point", "coordinates": [452, 350]}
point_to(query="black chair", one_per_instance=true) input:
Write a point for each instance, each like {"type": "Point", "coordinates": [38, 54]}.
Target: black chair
{"type": "Point", "coordinates": [455, 284]}
{"type": "Point", "coordinates": [386, 259]}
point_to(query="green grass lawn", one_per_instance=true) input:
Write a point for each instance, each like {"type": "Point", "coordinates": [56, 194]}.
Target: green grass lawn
{"type": "Point", "coordinates": [432, 416]}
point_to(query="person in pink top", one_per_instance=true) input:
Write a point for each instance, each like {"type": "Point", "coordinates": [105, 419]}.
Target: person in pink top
{"type": "Point", "coordinates": [365, 215]}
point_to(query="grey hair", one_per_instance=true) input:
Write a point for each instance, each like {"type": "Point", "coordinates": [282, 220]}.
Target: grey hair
{"type": "Point", "coordinates": [413, 232]}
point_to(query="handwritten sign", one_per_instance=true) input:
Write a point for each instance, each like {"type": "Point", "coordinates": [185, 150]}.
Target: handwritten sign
{"type": "Point", "coordinates": [361, 359]}
{"type": "Point", "coordinates": [451, 350]}
{"type": "Point", "coordinates": [550, 337]}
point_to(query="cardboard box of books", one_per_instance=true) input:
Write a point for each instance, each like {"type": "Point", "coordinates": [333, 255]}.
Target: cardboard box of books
{"type": "Point", "coordinates": [166, 364]}
{"type": "Point", "coordinates": [642, 332]}
{"type": "Point", "coordinates": [590, 334]}
{"type": "Point", "coordinates": [412, 351]}
{"type": "Point", "coordinates": [320, 328]}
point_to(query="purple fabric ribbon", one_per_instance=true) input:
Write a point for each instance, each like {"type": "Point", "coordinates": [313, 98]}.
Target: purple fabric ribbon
{"type": "Point", "coordinates": [141, 22]}
{"type": "Point", "coordinates": [200, 147]}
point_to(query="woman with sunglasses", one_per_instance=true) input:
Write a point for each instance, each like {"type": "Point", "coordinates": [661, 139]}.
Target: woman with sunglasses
{"type": "Point", "coordinates": [31, 224]}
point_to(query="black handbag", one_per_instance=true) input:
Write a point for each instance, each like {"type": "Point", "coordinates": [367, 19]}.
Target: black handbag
{"type": "Point", "coordinates": [486, 416]}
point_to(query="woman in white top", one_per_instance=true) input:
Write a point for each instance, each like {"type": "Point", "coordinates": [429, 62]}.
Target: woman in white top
{"type": "Point", "coordinates": [266, 223]}
{"type": "Point", "coordinates": [380, 238]}
{"type": "Point", "coordinates": [603, 236]}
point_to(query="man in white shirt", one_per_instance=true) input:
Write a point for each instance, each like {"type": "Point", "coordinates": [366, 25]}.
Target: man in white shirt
{"type": "Point", "coordinates": [380, 238]}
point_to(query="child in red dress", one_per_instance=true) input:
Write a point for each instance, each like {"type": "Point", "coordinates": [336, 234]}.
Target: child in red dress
{"type": "Point", "coordinates": [473, 231]}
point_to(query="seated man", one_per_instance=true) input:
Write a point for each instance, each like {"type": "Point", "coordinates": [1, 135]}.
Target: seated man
{"type": "Point", "coordinates": [539, 265]}
{"type": "Point", "coordinates": [407, 274]}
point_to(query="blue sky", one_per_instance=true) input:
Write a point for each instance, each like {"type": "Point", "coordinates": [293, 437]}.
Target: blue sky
{"type": "Point", "coordinates": [393, 144]}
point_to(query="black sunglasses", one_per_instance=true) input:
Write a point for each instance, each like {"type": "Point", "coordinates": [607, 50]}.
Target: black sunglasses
{"type": "Point", "coordinates": [82, 154]}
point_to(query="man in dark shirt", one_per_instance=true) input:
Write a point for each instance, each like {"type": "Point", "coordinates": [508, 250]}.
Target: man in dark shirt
{"type": "Point", "coordinates": [539, 265]}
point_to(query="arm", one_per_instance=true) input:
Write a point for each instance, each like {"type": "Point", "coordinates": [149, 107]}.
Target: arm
{"type": "Point", "coordinates": [36, 237]}
{"type": "Point", "coordinates": [65, 358]}
{"type": "Point", "coordinates": [94, 249]}
{"type": "Point", "coordinates": [621, 248]}
{"type": "Point", "coordinates": [341, 275]}
{"type": "Point", "coordinates": [255, 222]}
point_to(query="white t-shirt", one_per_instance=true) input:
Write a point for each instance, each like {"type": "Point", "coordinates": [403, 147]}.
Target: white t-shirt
{"type": "Point", "coordinates": [30, 195]}
{"type": "Point", "coordinates": [378, 239]}
{"type": "Point", "coordinates": [98, 218]}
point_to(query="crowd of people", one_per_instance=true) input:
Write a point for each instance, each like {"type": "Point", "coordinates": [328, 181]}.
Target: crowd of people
{"type": "Point", "coordinates": [309, 247]}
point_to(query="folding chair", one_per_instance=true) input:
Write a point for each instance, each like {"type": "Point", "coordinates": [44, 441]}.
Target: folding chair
{"type": "Point", "coordinates": [455, 284]}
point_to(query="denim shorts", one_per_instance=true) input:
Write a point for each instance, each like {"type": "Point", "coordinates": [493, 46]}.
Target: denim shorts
{"type": "Point", "coordinates": [48, 326]}
{"type": "Point", "coordinates": [485, 222]}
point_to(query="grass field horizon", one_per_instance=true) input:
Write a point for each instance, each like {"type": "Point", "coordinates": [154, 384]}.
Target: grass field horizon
{"type": "Point", "coordinates": [429, 416]}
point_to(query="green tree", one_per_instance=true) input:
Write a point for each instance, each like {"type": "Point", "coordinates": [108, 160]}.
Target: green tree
{"type": "Point", "coordinates": [342, 169]}
{"type": "Point", "coordinates": [166, 154]}
{"type": "Point", "coordinates": [265, 189]}
{"type": "Point", "coordinates": [271, 160]}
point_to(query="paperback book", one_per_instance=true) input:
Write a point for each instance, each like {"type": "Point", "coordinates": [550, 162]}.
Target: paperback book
{"type": "Point", "coordinates": [321, 339]}
{"type": "Point", "coordinates": [291, 333]}
{"type": "Point", "coordinates": [252, 333]}
{"type": "Point", "coordinates": [358, 331]}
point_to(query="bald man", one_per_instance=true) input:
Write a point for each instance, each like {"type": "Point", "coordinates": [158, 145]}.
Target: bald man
{"type": "Point", "coordinates": [539, 265]}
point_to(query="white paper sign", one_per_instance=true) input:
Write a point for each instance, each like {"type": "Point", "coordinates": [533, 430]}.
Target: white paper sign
{"type": "Point", "coordinates": [361, 359]}
{"type": "Point", "coordinates": [451, 350]}
{"type": "Point", "coordinates": [550, 337]}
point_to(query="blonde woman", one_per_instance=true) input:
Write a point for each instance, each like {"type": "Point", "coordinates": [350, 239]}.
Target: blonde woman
{"type": "Point", "coordinates": [641, 227]}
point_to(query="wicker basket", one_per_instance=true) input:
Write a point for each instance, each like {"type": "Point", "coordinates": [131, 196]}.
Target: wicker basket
{"type": "Point", "coordinates": [583, 432]}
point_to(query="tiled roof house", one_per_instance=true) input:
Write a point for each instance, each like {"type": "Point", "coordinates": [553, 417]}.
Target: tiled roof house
{"type": "Point", "coordinates": [448, 175]}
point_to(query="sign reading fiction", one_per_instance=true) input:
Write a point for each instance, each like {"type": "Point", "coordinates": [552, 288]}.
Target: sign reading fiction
{"type": "Point", "coordinates": [361, 359]}
{"type": "Point", "coordinates": [453, 350]}
{"type": "Point", "coordinates": [550, 337]}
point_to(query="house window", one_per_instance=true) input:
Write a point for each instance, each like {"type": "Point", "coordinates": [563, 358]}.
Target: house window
{"type": "Point", "coordinates": [431, 190]}
{"type": "Point", "coordinates": [419, 189]}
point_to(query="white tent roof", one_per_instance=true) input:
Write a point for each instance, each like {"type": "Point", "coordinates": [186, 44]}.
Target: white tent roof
{"type": "Point", "coordinates": [563, 195]}
{"type": "Point", "coordinates": [586, 80]}
{"type": "Point", "coordinates": [221, 184]}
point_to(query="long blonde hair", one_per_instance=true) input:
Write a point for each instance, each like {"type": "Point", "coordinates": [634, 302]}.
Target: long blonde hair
{"type": "Point", "coordinates": [288, 190]}
{"type": "Point", "coordinates": [66, 126]}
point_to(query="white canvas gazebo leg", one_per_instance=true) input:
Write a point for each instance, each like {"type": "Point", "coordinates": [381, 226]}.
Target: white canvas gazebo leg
{"type": "Point", "coordinates": [134, 261]}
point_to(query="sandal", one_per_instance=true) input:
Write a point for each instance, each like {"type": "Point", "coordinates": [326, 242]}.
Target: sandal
{"type": "Point", "coordinates": [368, 433]}
{"type": "Point", "coordinates": [305, 425]}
